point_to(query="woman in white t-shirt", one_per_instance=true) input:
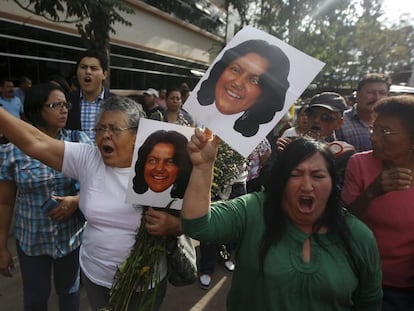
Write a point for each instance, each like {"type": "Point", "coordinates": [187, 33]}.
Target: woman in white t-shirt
{"type": "Point", "coordinates": [103, 172]}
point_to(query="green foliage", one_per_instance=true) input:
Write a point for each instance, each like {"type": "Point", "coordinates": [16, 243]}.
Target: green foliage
{"type": "Point", "coordinates": [140, 271]}
{"type": "Point", "coordinates": [348, 35]}
{"type": "Point", "coordinates": [94, 19]}
{"type": "Point", "coordinates": [228, 166]}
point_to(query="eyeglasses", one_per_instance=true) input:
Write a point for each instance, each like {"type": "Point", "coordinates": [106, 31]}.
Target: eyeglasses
{"type": "Point", "coordinates": [324, 117]}
{"type": "Point", "coordinates": [59, 105]}
{"type": "Point", "coordinates": [383, 132]}
{"type": "Point", "coordinates": [113, 130]}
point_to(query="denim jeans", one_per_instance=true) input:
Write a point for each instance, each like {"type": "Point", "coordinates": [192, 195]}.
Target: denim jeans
{"type": "Point", "coordinates": [398, 299]}
{"type": "Point", "coordinates": [98, 296]}
{"type": "Point", "coordinates": [37, 278]}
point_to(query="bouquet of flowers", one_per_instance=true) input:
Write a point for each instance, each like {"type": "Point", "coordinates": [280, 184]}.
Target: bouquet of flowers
{"type": "Point", "coordinates": [227, 167]}
{"type": "Point", "coordinates": [140, 271]}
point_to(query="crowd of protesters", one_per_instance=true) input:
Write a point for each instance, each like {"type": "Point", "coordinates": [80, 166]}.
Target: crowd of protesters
{"type": "Point", "coordinates": [353, 162]}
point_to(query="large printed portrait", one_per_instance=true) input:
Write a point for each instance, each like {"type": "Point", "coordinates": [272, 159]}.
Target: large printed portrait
{"type": "Point", "coordinates": [161, 166]}
{"type": "Point", "coordinates": [249, 87]}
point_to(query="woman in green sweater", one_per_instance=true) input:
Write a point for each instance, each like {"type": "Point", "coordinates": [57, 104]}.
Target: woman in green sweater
{"type": "Point", "coordinates": [298, 249]}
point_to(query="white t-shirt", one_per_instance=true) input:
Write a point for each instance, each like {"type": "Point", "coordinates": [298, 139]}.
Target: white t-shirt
{"type": "Point", "coordinates": [111, 224]}
{"type": "Point", "coordinates": [290, 132]}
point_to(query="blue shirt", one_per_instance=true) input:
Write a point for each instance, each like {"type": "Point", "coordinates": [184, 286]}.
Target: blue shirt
{"type": "Point", "coordinates": [354, 131]}
{"type": "Point", "coordinates": [12, 105]}
{"type": "Point", "coordinates": [20, 94]}
{"type": "Point", "coordinates": [36, 182]}
{"type": "Point", "coordinates": [88, 112]}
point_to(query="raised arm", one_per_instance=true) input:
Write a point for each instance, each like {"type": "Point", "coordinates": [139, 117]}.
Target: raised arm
{"type": "Point", "coordinates": [32, 141]}
{"type": "Point", "coordinates": [202, 149]}
{"type": "Point", "coordinates": [7, 199]}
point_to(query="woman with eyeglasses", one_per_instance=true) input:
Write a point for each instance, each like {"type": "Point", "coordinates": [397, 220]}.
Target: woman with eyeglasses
{"type": "Point", "coordinates": [174, 112]}
{"type": "Point", "coordinates": [103, 172]}
{"type": "Point", "coordinates": [48, 223]}
{"type": "Point", "coordinates": [379, 189]}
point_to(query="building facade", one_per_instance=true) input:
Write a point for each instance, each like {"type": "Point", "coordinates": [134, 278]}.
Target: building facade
{"type": "Point", "coordinates": [164, 46]}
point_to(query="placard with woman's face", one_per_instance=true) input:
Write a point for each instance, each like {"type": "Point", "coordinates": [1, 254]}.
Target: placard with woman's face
{"type": "Point", "coordinates": [161, 166]}
{"type": "Point", "coordinates": [249, 87]}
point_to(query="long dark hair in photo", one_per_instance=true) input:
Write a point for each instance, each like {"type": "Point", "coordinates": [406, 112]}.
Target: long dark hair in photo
{"type": "Point", "coordinates": [181, 159]}
{"type": "Point", "coordinates": [273, 83]}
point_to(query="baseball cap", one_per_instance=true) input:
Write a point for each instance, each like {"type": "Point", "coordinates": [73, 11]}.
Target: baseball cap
{"type": "Point", "coordinates": [151, 91]}
{"type": "Point", "coordinates": [329, 100]}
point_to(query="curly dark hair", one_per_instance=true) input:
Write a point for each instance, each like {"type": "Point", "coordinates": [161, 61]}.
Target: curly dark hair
{"type": "Point", "coordinates": [181, 159]}
{"type": "Point", "coordinates": [274, 216]}
{"type": "Point", "coordinates": [273, 84]}
{"type": "Point", "coordinates": [400, 107]}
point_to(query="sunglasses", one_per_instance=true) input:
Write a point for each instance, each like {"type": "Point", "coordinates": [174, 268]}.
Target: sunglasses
{"type": "Point", "coordinates": [324, 117]}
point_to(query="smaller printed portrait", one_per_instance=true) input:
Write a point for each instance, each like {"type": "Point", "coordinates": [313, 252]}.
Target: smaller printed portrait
{"type": "Point", "coordinates": [249, 87]}
{"type": "Point", "coordinates": [161, 166]}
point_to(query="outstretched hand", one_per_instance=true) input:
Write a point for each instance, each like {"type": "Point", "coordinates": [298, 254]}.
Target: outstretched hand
{"type": "Point", "coordinates": [202, 147]}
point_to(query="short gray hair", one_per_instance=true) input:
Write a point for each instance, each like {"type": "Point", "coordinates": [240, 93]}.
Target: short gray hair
{"type": "Point", "coordinates": [131, 108]}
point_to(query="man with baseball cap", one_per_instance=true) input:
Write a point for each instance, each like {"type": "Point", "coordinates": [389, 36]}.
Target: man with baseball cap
{"type": "Point", "coordinates": [324, 113]}
{"type": "Point", "coordinates": [151, 107]}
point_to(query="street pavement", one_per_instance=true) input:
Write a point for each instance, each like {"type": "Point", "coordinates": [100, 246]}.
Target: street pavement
{"type": "Point", "coordinates": [187, 298]}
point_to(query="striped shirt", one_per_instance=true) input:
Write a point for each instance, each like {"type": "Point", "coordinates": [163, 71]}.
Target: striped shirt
{"type": "Point", "coordinates": [354, 131]}
{"type": "Point", "coordinates": [36, 182]}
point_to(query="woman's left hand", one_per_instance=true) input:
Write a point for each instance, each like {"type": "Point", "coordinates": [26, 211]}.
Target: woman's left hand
{"type": "Point", "coordinates": [162, 223]}
{"type": "Point", "coordinates": [67, 206]}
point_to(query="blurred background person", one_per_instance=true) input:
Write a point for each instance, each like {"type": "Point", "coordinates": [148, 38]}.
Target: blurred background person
{"type": "Point", "coordinates": [60, 81]}
{"type": "Point", "coordinates": [174, 113]}
{"type": "Point", "coordinates": [25, 83]}
{"type": "Point", "coordinates": [151, 107]}
{"type": "Point", "coordinates": [8, 100]}
{"type": "Point", "coordinates": [161, 98]}
{"type": "Point", "coordinates": [358, 119]}
{"type": "Point", "coordinates": [185, 91]}
{"type": "Point", "coordinates": [300, 124]}
{"type": "Point", "coordinates": [257, 159]}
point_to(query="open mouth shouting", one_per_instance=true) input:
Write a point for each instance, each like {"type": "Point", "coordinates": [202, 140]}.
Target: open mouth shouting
{"type": "Point", "coordinates": [306, 204]}
{"type": "Point", "coordinates": [314, 131]}
{"type": "Point", "coordinates": [106, 149]}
